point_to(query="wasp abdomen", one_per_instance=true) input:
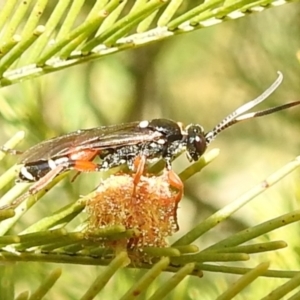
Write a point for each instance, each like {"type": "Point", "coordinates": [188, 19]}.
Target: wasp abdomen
{"type": "Point", "coordinates": [32, 172]}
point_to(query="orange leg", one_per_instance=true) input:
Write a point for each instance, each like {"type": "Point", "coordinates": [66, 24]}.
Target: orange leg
{"type": "Point", "coordinates": [83, 155]}
{"type": "Point", "coordinates": [35, 188]}
{"type": "Point", "coordinates": [139, 166]}
{"type": "Point", "coordinates": [176, 182]}
{"type": "Point", "coordinates": [79, 165]}
{"type": "Point", "coordinates": [83, 166]}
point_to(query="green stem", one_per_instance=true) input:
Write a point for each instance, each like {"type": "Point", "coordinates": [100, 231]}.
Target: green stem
{"type": "Point", "coordinates": [19, 49]}
{"type": "Point", "coordinates": [169, 285]}
{"type": "Point", "coordinates": [15, 20]}
{"type": "Point", "coordinates": [228, 210]}
{"type": "Point", "coordinates": [143, 283]}
{"type": "Point", "coordinates": [127, 22]}
{"type": "Point", "coordinates": [46, 285]}
{"type": "Point", "coordinates": [244, 282]}
{"type": "Point", "coordinates": [100, 282]}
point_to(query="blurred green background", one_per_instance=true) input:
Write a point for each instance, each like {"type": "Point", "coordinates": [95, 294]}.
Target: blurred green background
{"type": "Point", "coordinates": [198, 77]}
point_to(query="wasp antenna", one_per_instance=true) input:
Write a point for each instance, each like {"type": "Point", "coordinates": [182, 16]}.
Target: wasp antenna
{"type": "Point", "coordinates": [265, 112]}
{"type": "Point", "coordinates": [237, 116]}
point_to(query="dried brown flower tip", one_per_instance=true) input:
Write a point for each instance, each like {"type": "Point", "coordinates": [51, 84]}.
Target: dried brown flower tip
{"type": "Point", "coordinates": [151, 209]}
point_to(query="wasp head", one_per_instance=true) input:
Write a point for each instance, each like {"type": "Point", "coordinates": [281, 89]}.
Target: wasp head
{"type": "Point", "coordinates": [196, 142]}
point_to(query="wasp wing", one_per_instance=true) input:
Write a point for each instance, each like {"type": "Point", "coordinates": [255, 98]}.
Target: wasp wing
{"type": "Point", "coordinates": [105, 137]}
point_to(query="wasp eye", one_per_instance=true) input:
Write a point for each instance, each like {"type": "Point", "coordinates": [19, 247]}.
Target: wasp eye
{"type": "Point", "coordinates": [196, 143]}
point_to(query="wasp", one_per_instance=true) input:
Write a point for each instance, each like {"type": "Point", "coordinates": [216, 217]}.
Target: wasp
{"type": "Point", "coordinates": [133, 144]}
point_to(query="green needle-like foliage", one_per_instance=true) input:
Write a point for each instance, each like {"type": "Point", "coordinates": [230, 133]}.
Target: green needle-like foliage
{"type": "Point", "coordinates": [31, 46]}
{"type": "Point", "coordinates": [43, 244]}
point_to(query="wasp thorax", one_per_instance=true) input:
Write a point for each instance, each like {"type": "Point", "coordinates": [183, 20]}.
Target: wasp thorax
{"type": "Point", "coordinates": [196, 142]}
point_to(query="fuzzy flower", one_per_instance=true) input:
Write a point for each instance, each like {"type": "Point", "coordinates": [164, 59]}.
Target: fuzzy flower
{"type": "Point", "coordinates": [150, 207]}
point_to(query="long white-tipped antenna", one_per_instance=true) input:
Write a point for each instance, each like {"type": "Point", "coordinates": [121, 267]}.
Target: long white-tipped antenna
{"type": "Point", "coordinates": [237, 116]}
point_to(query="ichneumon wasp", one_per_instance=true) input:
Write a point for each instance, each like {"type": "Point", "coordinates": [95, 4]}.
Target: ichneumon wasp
{"type": "Point", "coordinates": [133, 144]}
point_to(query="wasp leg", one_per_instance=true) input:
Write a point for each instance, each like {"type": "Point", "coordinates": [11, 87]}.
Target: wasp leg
{"type": "Point", "coordinates": [83, 166]}
{"type": "Point", "coordinates": [139, 166]}
{"type": "Point", "coordinates": [11, 151]}
{"type": "Point", "coordinates": [83, 155]}
{"type": "Point", "coordinates": [176, 182]}
{"type": "Point", "coordinates": [41, 183]}
{"type": "Point", "coordinates": [36, 187]}
{"type": "Point", "coordinates": [78, 165]}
